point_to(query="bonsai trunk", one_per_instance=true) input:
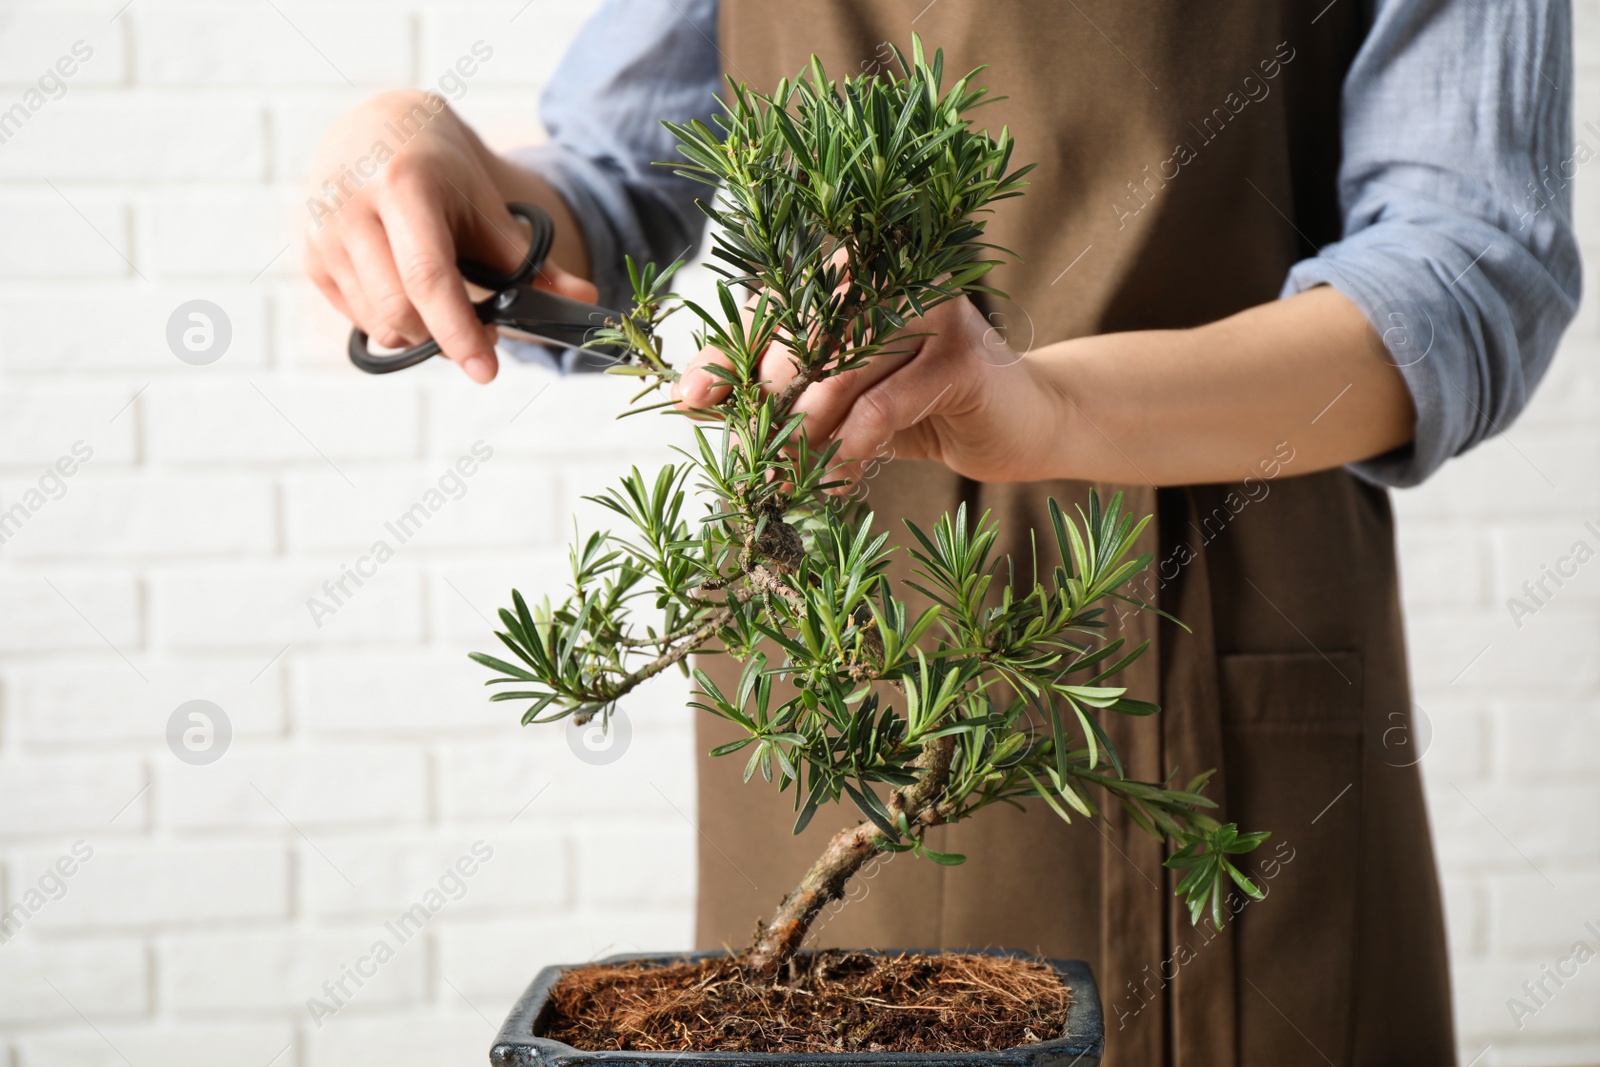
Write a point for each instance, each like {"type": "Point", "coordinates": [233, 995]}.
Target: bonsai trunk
{"type": "Point", "coordinates": [778, 939]}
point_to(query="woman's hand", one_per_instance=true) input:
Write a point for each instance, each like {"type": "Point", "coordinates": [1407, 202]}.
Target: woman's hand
{"type": "Point", "coordinates": [959, 395]}
{"type": "Point", "coordinates": [385, 233]}
{"type": "Point", "coordinates": [1157, 407]}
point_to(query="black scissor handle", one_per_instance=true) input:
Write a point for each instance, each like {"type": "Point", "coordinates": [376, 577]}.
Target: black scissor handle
{"type": "Point", "coordinates": [544, 234]}
{"type": "Point", "coordinates": [478, 274]}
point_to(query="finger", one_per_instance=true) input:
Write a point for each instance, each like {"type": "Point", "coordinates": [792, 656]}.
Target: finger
{"type": "Point", "coordinates": [882, 415]}
{"type": "Point", "coordinates": [489, 232]}
{"type": "Point", "coordinates": [425, 258]}
{"type": "Point", "coordinates": [372, 260]}
{"type": "Point", "coordinates": [565, 283]}
{"type": "Point", "coordinates": [826, 404]}
{"type": "Point", "coordinates": [360, 311]}
{"type": "Point", "coordinates": [326, 285]}
{"type": "Point", "coordinates": [698, 386]}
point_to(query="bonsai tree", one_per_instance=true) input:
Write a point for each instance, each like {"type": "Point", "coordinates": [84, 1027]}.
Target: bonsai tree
{"type": "Point", "coordinates": [847, 208]}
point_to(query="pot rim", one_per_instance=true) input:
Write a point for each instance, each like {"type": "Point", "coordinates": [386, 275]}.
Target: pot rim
{"type": "Point", "coordinates": [1080, 1045]}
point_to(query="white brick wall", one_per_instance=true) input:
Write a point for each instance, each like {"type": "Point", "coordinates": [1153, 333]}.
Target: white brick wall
{"type": "Point", "coordinates": [364, 761]}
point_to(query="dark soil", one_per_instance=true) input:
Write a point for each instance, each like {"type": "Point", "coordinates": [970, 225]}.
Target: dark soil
{"type": "Point", "coordinates": [831, 1002]}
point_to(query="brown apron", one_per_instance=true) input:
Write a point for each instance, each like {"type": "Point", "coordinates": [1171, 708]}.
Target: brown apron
{"type": "Point", "coordinates": [1186, 158]}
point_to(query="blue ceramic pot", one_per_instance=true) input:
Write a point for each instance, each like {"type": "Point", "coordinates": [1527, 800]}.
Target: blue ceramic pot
{"type": "Point", "coordinates": [519, 1043]}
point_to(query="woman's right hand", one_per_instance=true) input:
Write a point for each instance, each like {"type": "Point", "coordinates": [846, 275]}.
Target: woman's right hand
{"type": "Point", "coordinates": [400, 189]}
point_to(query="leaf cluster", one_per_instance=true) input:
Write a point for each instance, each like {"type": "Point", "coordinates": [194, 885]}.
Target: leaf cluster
{"type": "Point", "coordinates": [844, 209]}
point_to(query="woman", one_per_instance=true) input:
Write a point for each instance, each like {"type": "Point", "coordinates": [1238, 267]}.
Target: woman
{"type": "Point", "coordinates": [1273, 259]}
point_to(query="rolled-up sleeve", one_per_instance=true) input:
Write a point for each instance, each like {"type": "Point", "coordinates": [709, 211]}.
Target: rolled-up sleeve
{"type": "Point", "coordinates": [634, 64]}
{"type": "Point", "coordinates": [1455, 183]}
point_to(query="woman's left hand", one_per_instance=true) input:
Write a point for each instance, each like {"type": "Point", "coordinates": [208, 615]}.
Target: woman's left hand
{"type": "Point", "coordinates": [1306, 374]}
{"type": "Point", "coordinates": [958, 395]}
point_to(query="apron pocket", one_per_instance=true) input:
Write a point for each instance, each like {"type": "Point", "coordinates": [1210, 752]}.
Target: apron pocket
{"type": "Point", "coordinates": [1292, 738]}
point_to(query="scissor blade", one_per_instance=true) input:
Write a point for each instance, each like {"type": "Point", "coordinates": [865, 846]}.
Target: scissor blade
{"type": "Point", "coordinates": [548, 317]}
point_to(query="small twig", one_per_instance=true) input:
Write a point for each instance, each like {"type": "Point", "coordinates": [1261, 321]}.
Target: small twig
{"type": "Point", "coordinates": [697, 637]}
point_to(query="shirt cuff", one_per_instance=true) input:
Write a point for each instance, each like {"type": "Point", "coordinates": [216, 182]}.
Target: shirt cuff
{"type": "Point", "coordinates": [1407, 298]}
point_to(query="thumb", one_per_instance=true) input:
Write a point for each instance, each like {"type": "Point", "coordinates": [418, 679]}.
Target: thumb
{"type": "Point", "coordinates": [697, 387]}
{"type": "Point", "coordinates": [564, 283]}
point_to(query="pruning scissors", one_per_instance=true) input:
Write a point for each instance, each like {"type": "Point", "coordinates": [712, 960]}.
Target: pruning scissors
{"type": "Point", "coordinates": [513, 305]}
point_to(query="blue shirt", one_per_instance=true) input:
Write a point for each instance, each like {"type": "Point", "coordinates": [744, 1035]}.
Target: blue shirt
{"type": "Point", "coordinates": [1454, 187]}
